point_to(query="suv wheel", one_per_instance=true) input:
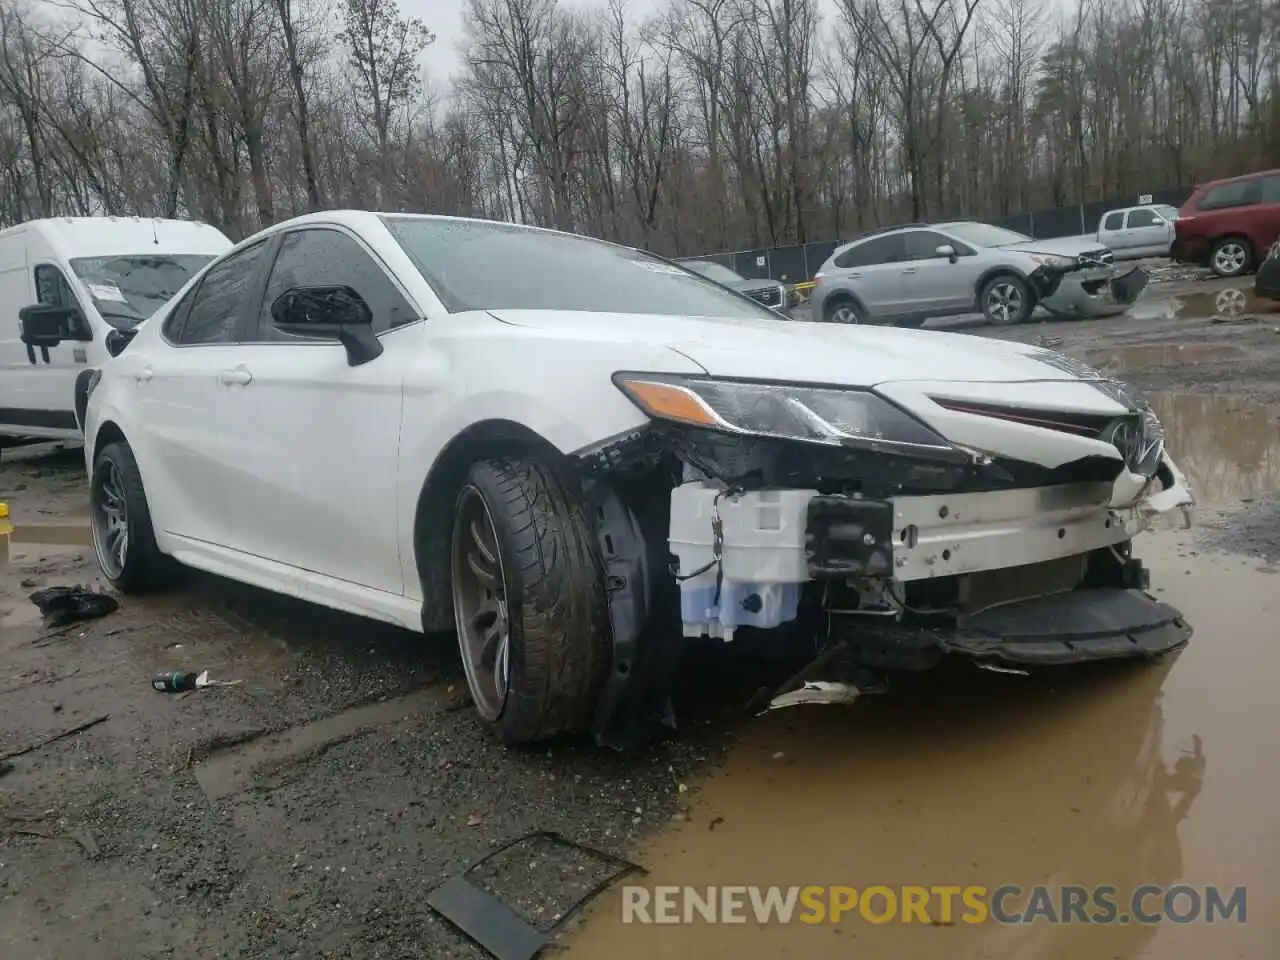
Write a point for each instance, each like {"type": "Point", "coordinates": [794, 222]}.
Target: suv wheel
{"type": "Point", "coordinates": [1231, 256]}
{"type": "Point", "coordinates": [1005, 299]}
{"type": "Point", "coordinates": [842, 310]}
{"type": "Point", "coordinates": [529, 600]}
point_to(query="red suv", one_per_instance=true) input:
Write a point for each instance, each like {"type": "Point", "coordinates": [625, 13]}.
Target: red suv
{"type": "Point", "coordinates": [1228, 225]}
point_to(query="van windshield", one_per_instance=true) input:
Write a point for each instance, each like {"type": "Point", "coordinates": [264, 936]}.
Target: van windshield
{"type": "Point", "coordinates": [128, 289]}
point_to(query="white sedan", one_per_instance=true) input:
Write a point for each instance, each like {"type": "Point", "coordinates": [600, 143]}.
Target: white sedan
{"type": "Point", "coordinates": [576, 454]}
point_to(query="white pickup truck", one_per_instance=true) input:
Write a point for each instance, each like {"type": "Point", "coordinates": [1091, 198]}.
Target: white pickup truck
{"type": "Point", "coordinates": [1142, 231]}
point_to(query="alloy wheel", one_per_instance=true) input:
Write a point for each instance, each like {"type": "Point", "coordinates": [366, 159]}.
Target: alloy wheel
{"type": "Point", "coordinates": [480, 605]}
{"type": "Point", "coordinates": [109, 519]}
{"type": "Point", "coordinates": [1230, 258]}
{"type": "Point", "coordinates": [1004, 302]}
{"type": "Point", "coordinates": [845, 313]}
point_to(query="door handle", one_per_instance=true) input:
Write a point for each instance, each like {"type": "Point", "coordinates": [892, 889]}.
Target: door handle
{"type": "Point", "coordinates": [237, 376]}
{"type": "Point", "coordinates": [142, 376]}
{"type": "Point", "coordinates": [854, 276]}
{"type": "Point", "coordinates": [911, 270]}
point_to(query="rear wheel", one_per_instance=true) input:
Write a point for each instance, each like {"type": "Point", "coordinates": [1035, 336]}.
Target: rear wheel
{"type": "Point", "coordinates": [529, 600]}
{"type": "Point", "coordinates": [1231, 256]}
{"type": "Point", "coordinates": [120, 524]}
{"type": "Point", "coordinates": [1006, 299]}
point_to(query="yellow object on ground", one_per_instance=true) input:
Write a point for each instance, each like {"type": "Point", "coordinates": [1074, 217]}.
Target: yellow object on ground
{"type": "Point", "coordinates": [4, 510]}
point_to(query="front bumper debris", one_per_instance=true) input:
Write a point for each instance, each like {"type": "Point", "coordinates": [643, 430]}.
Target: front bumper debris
{"type": "Point", "coordinates": [1096, 296]}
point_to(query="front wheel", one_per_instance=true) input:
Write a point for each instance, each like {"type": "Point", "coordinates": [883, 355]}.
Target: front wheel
{"type": "Point", "coordinates": [1006, 299]}
{"type": "Point", "coordinates": [120, 524]}
{"type": "Point", "coordinates": [528, 600]}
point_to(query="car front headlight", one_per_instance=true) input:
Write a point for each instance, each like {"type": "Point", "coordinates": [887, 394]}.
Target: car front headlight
{"type": "Point", "coordinates": [1051, 260]}
{"type": "Point", "coordinates": [809, 414]}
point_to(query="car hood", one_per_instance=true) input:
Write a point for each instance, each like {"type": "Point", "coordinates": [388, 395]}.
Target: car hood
{"type": "Point", "coordinates": [1062, 246]}
{"type": "Point", "coordinates": [805, 352]}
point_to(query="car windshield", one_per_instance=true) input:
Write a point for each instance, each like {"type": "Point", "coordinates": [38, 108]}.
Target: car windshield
{"type": "Point", "coordinates": [984, 234]}
{"type": "Point", "coordinates": [487, 265]}
{"type": "Point", "coordinates": [712, 271]}
{"type": "Point", "coordinates": [129, 289]}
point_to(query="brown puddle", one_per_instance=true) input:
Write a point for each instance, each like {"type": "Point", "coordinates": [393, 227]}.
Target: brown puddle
{"type": "Point", "coordinates": [1123, 776]}
{"type": "Point", "coordinates": [1229, 303]}
{"type": "Point", "coordinates": [1229, 449]}
{"type": "Point", "coordinates": [1142, 356]}
{"type": "Point", "coordinates": [38, 541]}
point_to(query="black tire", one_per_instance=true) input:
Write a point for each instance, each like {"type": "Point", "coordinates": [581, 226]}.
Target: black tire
{"type": "Point", "coordinates": [1236, 265]}
{"type": "Point", "coordinates": [845, 307]}
{"type": "Point", "coordinates": [145, 569]}
{"type": "Point", "coordinates": [1025, 299]}
{"type": "Point", "coordinates": [559, 638]}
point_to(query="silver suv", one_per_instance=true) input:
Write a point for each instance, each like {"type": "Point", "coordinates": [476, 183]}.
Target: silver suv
{"type": "Point", "coordinates": [904, 275]}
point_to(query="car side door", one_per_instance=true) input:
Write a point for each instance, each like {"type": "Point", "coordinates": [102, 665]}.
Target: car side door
{"type": "Point", "coordinates": [177, 388]}
{"type": "Point", "coordinates": [1146, 232]}
{"type": "Point", "coordinates": [932, 284]}
{"type": "Point", "coordinates": [316, 439]}
{"type": "Point", "coordinates": [874, 273]}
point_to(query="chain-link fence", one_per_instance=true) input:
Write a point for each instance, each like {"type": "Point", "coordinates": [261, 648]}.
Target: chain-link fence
{"type": "Point", "coordinates": [799, 262]}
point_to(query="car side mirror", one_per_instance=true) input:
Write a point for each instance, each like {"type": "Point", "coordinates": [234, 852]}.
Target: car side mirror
{"type": "Point", "coordinates": [45, 325]}
{"type": "Point", "coordinates": [322, 311]}
{"type": "Point", "coordinates": [948, 251]}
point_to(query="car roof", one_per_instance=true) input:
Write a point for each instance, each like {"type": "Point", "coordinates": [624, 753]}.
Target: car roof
{"type": "Point", "coordinates": [1243, 176]}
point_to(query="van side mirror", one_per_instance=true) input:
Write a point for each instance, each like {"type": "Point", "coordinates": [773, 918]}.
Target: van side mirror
{"type": "Point", "coordinates": [45, 325]}
{"type": "Point", "coordinates": [338, 312]}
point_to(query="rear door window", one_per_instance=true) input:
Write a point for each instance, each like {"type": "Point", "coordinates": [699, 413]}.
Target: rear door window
{"type": "Point", "coordinates": [877, 250]}
{"type": "Point", "coordinates": [1271, 189]}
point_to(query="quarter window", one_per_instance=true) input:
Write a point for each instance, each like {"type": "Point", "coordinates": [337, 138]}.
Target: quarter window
{"type": "Point", "coordinates": [218, 303]}
{"type": "Point", "coordinates": [326, 257]}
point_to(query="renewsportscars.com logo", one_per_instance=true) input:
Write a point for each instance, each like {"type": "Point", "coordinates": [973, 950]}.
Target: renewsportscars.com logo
{"type": "Point", "coordinates": [938, 904]}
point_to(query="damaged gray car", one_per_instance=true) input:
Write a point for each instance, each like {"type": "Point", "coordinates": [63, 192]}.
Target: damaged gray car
{"type": "Point", "coordinates": [904, 275]}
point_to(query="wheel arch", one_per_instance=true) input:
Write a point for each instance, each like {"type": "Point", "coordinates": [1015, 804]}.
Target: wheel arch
{"type": "Point", "coordinates": [433, 514]}
{"type": "Point", "coordinates": [108, 432]}
{"type": "Point", "coordinates": [838, 295]}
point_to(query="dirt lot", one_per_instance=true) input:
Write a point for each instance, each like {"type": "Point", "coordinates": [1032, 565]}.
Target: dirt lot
{"type": "Point", "coordinates": [308, 811]}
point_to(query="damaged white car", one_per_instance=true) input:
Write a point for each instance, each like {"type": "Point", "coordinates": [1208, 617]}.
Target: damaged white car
{"type": "Point", "coordinates": [580, 460]}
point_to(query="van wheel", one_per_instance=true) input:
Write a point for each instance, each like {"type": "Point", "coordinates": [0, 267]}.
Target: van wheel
{"type": "Point", "coordinates": [529, 601]}
{"type": "Point", "coordinates": [1231, 256]}
{"type": "Point", "coordinates": [120, 524]}
{"type": "Point", "coordinates": [1006, 299]}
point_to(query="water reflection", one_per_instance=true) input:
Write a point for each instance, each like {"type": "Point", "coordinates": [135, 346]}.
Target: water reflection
{"type": "Point", "coordinates": [1125, 359]}
{"type": "Point", "coordinates": [1229, 303]}
{"type": "Point", "coordinates": [1229, 449]}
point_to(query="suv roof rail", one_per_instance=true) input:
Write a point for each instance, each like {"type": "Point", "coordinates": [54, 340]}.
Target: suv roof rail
{"type": "Point", "coordinates": [875, 232]}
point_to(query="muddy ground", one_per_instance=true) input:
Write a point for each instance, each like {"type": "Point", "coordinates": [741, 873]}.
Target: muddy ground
{"type": "Point", "coordinates": [308, 810]}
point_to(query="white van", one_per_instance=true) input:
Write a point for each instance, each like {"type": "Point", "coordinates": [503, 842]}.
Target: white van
{"type": "Point", "coordinates": [89, 278]}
